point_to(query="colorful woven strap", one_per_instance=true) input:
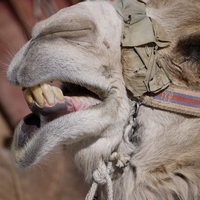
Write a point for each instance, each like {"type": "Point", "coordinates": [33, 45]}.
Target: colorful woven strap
{"type": "Point", "coordinates": [175, 99]}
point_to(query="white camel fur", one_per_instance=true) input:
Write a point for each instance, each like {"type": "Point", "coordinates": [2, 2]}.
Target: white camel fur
{"type": "Point", "coordinates": [81, 45]}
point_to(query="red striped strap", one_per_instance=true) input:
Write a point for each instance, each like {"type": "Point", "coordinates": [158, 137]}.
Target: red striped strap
{"type": "Point", "coordinates": [175, 99]}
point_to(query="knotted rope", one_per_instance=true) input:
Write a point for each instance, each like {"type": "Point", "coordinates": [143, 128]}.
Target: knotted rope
{"type": "Point", "coordinates": [101, 176]}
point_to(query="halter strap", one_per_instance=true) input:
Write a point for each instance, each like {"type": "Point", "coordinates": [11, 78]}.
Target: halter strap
{"type": "Point", "coordinates": [175, 99]}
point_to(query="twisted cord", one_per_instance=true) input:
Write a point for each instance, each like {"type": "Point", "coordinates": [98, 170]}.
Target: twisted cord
{"type": "Point", "coordinates": [101, 176]}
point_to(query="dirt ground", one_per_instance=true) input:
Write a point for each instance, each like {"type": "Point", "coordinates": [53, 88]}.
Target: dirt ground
{"type": "Point", "coordinates": [56, 178]}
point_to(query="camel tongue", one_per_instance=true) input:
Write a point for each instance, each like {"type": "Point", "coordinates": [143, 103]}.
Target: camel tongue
{"type": "Point", "coordinates": [47, 113]}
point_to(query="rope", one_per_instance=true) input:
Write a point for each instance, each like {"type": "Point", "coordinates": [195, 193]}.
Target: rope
{"type": "Point", "coordinates": [101, 176]}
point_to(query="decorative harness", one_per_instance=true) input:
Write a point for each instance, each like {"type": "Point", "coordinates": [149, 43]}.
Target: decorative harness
{"type": "Point", "coordinates": [175, 99]}
{"type": "Point", "coordinates": [145, 78]}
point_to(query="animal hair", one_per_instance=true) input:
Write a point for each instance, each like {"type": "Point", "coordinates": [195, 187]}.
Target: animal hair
{"type": "Point", "coordinates": [81, 45]}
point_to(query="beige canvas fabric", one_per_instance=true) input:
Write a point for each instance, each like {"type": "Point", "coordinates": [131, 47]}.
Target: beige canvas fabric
{"type": "Point", "coordinates": [141, 38]}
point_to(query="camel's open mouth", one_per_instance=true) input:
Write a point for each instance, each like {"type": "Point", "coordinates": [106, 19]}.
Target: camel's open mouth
{"type": "Point", "coordinates": [46, 99]}
{"type": "Point", "coordinates": [48, 102]}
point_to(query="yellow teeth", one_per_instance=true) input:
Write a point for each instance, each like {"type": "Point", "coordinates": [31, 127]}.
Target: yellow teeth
{"type": "Point", "coordinates": [43, 92]}
{"type": "Point", "coordinates": [48, 93]}
{"type": "Point", "coordinates": [58, 93]}
{"type": "Point", "coordinates": [28, 96]}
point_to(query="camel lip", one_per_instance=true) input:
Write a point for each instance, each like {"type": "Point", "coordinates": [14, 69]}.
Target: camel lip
{"type": "Point", "coordinates": [33, 122]}
{"type": "Point", "coordinates": [42, 116]}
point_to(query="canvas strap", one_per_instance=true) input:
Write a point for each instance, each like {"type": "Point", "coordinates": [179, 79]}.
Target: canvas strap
{"type": "Point", "coordinates": [175, 99]}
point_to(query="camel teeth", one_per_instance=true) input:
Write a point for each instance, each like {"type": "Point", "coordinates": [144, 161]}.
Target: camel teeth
{"type": "Point", "coordinates": [41, 93]}
{"type": "Point", "coordinates": [48, 93]}
{"type": "Point", "coordinates": [28, 96]}
{"type": "Point", "coordinates": [58, 93]}
{"type": "Point", "coordinates": [38, 95]}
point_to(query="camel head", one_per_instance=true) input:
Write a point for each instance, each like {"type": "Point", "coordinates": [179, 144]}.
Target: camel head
{"type": "Point", "coordinates": [108, 55]}
{"type": "Point", "coordinates": [83, 52]}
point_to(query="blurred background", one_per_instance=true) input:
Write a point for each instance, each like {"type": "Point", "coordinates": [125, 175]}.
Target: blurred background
{"type": "Point", "coordinates": [56, 178]}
